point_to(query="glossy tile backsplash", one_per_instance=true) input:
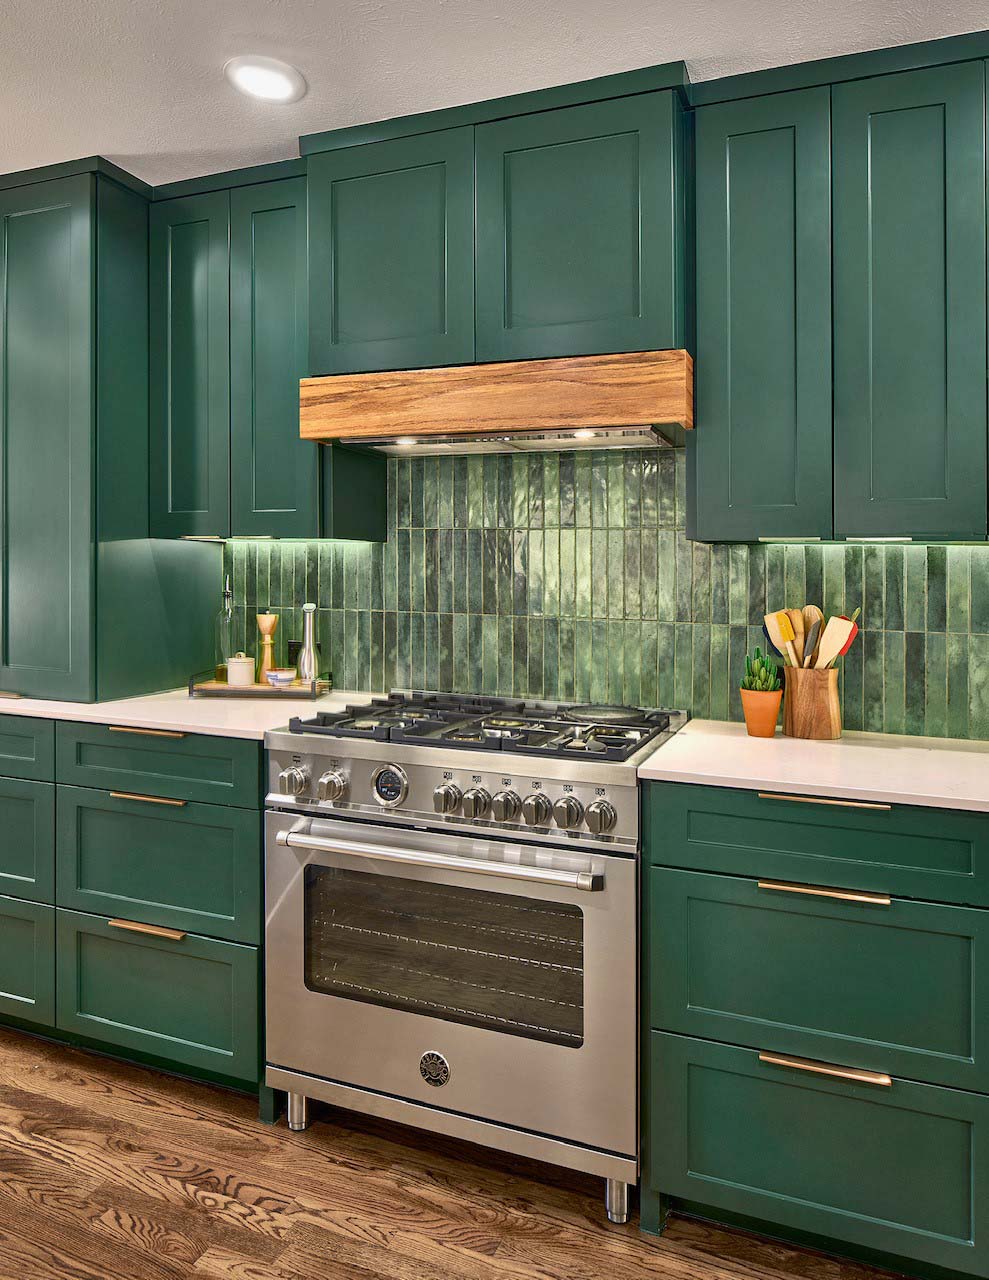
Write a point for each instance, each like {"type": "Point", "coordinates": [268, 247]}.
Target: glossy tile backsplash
{"type": "Point", "coordinates": [569, 576]}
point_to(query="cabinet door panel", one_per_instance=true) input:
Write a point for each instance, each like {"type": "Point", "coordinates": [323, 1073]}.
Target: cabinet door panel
{"type": "Point", "coordinates": [27, 845]}
{"type": "Point", "coordinates": [27, 961]}
{"type": "Point", "coordinates": [273, 473]}
{"type": "Point", "coordinates": [391, 243]}
{"type": "Point", "coordinates": [27, 748]}
{"type": "Point", "coordinates": [190, 374]}
{"type": "Point", "coordinates": [762, 447]}
{"type": "Point", "coordinates": [577, 221]}
{"type": "Point", "coordinates": [47, 334]}
{"type": "Point", "coordinates": [910, 304]}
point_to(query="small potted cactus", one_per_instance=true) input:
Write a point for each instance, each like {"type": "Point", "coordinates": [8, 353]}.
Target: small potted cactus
{"type": "Point", "coordinates": [761, 694]}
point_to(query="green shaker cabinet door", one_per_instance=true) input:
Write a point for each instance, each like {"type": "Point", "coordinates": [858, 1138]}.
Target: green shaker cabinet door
{"type": "Point", "coordinates": [762, 448]}
{"type": "Point", "coordinates": [190, 373]}
{"type": "Point", "coordinates": [910, 304]}
{"type": "Point", "coordinates": [273, 473]}
{"type": "Point", "coordinates": [902, 1168]}
{"type": "Point", "coordinates": [27, 961]}
{"type": "Point", "coordinates": [47, 334]}
{"type": "Point", "coordinates": [577, 230]}
{"type": "Point", "coordinates": [391, 254]}
{"type": "Point", "coordinates": [27, 839]}
{"type": "Point", "coordinates": [27, 748]}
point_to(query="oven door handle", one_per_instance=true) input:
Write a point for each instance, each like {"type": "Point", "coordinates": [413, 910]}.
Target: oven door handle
{"type": "Point", "coordinates": [589, 881]}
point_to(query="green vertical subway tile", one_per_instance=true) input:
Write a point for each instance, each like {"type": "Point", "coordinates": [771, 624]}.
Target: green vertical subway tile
{"type": "Point", "coordinates": [444, 493]}
{"type": "Point", "coordinates": [336, 659]}
{"type": "Point", "coordinates": [855, 580]}
{"type": "Point", "coordinates": [719, 582]}
{"type": "Point", "coordinates": [566, 689]}
{"type": "Point", "coordinates": [505, 658]}
{"type": "Point", "coordinates": [376, 670]}
{"type": "Point", "coordinates": [914, 660]}
{"type": "Point", "coordinates": [363, 648]}
{"type": "Point", "coordinates": [894, 675]}
{"type": "Point", "coordinates": [666, 515]}
{"type": "Point", "coordinates": [430, 570]}
{"type": "Point", "coordinates": [520, 491]}
{"type": "Point", "coordinates": [978, 686]}
{"type": "Point", "coordinates": [680, 487]}
{"type": "Point", "coordinates": [852, 686]}
{"type": "Point", "coordinates": [444, 646]}
{"type": "Point", "coordinates": [599, 489]}
{"type": "Point", "coordinates": [403, 599]}
{"type": "Point", "coordinates": [403, 498]}
{"type": "Point", "coordinates": [936, 686]}
{"type": "Point", "coordinates": [417, 643]}
{"type": "Point", "coordinates": [475, 491]}
{"type": "Point", "coordinates": [489, 472]}
{"type": "Point", "coordinates": [700, 606]}
{"type": "Point", "coordinates": [489, 655]}
{"type": "Point", "coordinates": [683, 666]}
{"type": "Point", "coordinates": [250, 596]}
{"type": "Point", "coordinates": [583, 590]}
{"type": "Point", "coordinates": [758, 607]}
{"type": "Point", "coordinates": [582, 660]}
{"type": "Point", "coordinates": [718, 701]}
{"type": "Point", "coordinates": [461, 663]}
{"type": "Point", "coordinates": [536, 537]}
{"type": "Point", "coordinates": [400, 542]}
{"type": "Point", "coordinates": [616, 573]}
{"type": "Point", "coordinates": [505, 570]}
{"type": "Point", "coordinates": [958, 613]}
{"type": "Point", "coordinates": [520, 656]}
{"type": "Point", "coordinates": [814, 574]}
{"type": "Point", "coordinates": [834, 581]}
{"type": "Point", "coordinates": [551, 490]}
{"type": "Point", "coordinates": [873, 666]}
{"type": "Point", "coordinates": [649, 489]}
{"type": "Point", "coordinates": [506, 493]}
{"type": "Point", "coordinates": [536, 504]}
{"type": "Point", "coordinates": [738, 584]}
{"type": "Point", "coordinates": [666, 691]}
{"type": "Point", "coordinates": [551, 658]}
{"type": "Point", "coordinates": [475, 571]}
{"type": "Point", "coordinates": [551, 572]}
{"type": "Point", "coordinates": [583, 488]}
{"type": "Point", "coordinates": [648, 572]}
{"type": "Point", "coordinates": [324, 590]}
{"type": "Point", "coordinates": [915, 606]}
{"type": "Point", "coordinates": [873, 602]}
{"type": "Point", "coordinates": [416, 466]}
{"type": "Point", "coordinates": [633, 573]}
{"type": "Point", "coordinates": [632, 678]}
{"type": "Point", "coordinates": [403, 656]}
{"type": "Point", "coordinates": [666, 575]}
{"type": "Point", "coordinates": [599, 573]}
{"type": "Point", "coordinates": [616, 490]}
{"type": "Point", "coordinates": [794, 576]}
{"type": "Point", "coordinates": [444, 571]}
{"type": "Point", "coordinates": [568, 490]}
{"type": "Point", "coordinates": [265, 599]}
{"type": "Point", "coordinates": [599, 662]}
{"type": "Point", "coordinates": [737, 649]}
{"type": "Point", "coordinates": [937, 587]}
{"type": "Point", "coordinates": [633, 488]}
{"type": "Point", "coordinates": [535, 657]}
{"type": "Point", "coordinates": [776, 578]}
{"type": "Point", "coordinates": [700, 704]}
{"type": "Point", "coordinates": [430, 493]}
{"type": "Point", "coordinates": [569, 538]}
{"type": "Point", "coordinates": [460, 571]}
{"type": "Point", "coordinates": [489, 571]}
{"type": "Point", "coordinates": [893, 588]}
{"type": "Point", "coordinates": [957, 665]}
{"type": "Point", "coordinates": [460, 492]}
{"type": "Point", "coordinates": [391, 494]}
{"type": "Point", "coordinates": [417, 571]}
{"type": "Point", "coordinates": [683, 577]}
{"type": "Point", "coordinates": [520, 570]}
{"type": "Point", "coordinates": [980, 589]}
{"type": "Point", "coordinates": [615, 660]}
{"type": "Point", "coordinates": [648, 669]}
{"type": "Point", "coordinates": [390, 679]}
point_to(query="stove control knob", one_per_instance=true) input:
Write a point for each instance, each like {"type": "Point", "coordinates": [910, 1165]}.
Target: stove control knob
{"type": "Point", "coordinates": [536, 810]}
{"type": "Point", "coordinates": [506, 806]}
{"type": "Point", "coordinates": [477, 802]}
{"type": "Point", "coordinates": [568, 812]}
{"type": "Point", "coordinates": [293, 780]}
{"type": "Point", "coordinates": [601, 817]}
{"type": "Point", "coordinates": [446, 798]}
{"type": "Point", "coordinates": [332, 786]}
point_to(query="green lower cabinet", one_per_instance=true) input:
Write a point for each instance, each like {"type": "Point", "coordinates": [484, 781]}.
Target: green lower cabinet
{"type": "Point", "coordinates": [901, 988]}
{"type": "Point", "coordinates": [27, 847]}
{"type": "Point", "coordinates": [190, 1000]}
{"type": "Point", "coordinates": [901, 1169]}
{"type": "Point", "coordinates": [27, 748]}
{"type": "Point", "coordinates": [181, 865]}
{"type": "Point", "coordinates": [27, 961]}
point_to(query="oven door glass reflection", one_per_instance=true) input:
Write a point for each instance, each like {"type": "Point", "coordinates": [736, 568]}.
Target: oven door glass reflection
{"type": "Point", "coordinates": [500, 961]}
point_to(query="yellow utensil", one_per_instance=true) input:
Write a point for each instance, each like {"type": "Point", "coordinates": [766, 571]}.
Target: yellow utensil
{"type": "Point", "coordinates": [780, 630]}
{"type": "Point", "coordinates": [797, 622]}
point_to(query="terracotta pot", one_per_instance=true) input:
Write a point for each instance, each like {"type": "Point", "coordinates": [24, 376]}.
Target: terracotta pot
{"type": "Point", "coordinates": [761, 711]}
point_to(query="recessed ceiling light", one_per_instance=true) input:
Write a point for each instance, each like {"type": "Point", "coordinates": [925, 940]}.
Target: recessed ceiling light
{"type": "Point", "coordinates": [584, 434]}
{"type": "Point", "coordinates": [266, 78]}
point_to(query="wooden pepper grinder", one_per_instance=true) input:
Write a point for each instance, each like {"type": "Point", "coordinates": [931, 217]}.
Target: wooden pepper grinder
{"type": "Point", "coordinates": [267, 622]}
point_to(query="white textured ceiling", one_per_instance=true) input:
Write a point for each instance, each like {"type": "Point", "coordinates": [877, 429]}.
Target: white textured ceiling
{"type": "Point", "coordinates": [139, 81]}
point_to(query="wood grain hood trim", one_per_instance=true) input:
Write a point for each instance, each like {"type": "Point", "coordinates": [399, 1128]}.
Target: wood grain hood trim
{"type": "Point", "coordinates": [632, 389]}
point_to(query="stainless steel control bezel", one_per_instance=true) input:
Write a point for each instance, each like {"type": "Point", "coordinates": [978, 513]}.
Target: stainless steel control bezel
{"type": "Point", "coordinates": [390, 768]}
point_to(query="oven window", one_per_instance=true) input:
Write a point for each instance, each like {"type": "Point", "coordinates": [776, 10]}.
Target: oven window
{"type": "Point", "coordinates": [493, 960]}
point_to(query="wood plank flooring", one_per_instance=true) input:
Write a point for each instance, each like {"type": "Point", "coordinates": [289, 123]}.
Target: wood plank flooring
{"type": "Point", "coordinates": [112, 1172]}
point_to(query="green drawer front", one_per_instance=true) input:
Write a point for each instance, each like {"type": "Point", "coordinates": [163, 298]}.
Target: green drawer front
{"type": "Point", "coordinates": [185, 767]}
{"type": "Point", "coordinates": [901, 1169]}
{"type": "Point", "coordinates": [27, 748]}
{"type": "Point", "coordinates": [27, 848]}
{"type": "Point", "coordinates": [902, 988]}
{"type": "Point", "coordinates": [937, 854]}
{"type": "Point", "coordinates": [192, 1001]}
{"type": "Point", "coordinates": [27, 961]}
{"type": "Point", "coordinates": [188, 866]}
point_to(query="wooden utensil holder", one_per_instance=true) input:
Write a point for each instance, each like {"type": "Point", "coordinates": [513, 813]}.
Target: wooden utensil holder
{"type": "Point", "coordinates": [811, 708]}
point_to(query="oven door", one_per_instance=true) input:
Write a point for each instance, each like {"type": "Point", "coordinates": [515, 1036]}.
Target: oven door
{"type": "Point", "coordinates": [491, 979]}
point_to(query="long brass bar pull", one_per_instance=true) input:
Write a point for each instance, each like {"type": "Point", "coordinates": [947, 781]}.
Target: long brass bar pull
{"type": "Point", "coordinates": [818, 891]}
{"type": "Point", "coordinates": [838, 804]}
{"type": "Point", "coordinates": [148, 733]}
{"type": "Point", "coordinates": [133, 795]}
{"type": "Point", "coordinates": [155, 930]}
{"type": "Point", "coordinates": [828, 1069]}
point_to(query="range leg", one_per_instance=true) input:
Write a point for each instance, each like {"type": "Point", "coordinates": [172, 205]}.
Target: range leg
{"type": "Point", "coordinates": [616, 1200]}
{"type": "Point", "coordinates": [298, 1112]}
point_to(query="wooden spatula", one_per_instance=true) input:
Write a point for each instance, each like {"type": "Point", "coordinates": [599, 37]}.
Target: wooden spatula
{"type": "Point", "coordinates": [797, 622]}
{"type": "Point", "coordinates": [837, 634]}
{"type": "Point", "coordinates": [811, 614]}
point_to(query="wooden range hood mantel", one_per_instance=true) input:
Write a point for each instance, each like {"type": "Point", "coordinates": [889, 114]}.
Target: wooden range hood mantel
{"type": "Point", "coordinates": [464, 402]}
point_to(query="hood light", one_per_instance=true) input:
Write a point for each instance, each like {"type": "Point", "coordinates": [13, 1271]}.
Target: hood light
{"type": "Point", "coordinates": [584, 435]}
{"type": "Point", "coordinates": [266, 78]}
{"type": "Point", "coordinates": [405, 442]}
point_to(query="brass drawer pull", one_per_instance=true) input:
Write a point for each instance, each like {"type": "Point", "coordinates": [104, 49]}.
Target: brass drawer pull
{"type": "Point", "coordinates": [155, 930]}
{"type": "Point", "coordinates": [838, 804]}
{"type": "Point", "coordinates": [816, 891]}
{"type": "Point", "coordinates": [828, 1069]}
{"type": "Point", "coordinates": [150, 733]}
{"type": "Point", "coordinates": [133, 795]}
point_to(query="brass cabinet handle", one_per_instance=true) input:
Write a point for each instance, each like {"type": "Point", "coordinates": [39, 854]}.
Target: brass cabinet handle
{"type": "Point", "coordinates": [151, 733]}
{"type": "Point", "coordinates": [828, 1069]}
{"type": "Point", "coordinates": [839, 804]}
{"type": "Point", "coordinates": [133, 795]}
{"type": "Point", "coordinates": [155, 930]}
{"type": "Point", "coordinates": [817, 891]}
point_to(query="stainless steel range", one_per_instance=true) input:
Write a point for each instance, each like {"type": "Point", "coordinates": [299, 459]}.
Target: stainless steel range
{"type": "Point", "coordinates": [452, 921]}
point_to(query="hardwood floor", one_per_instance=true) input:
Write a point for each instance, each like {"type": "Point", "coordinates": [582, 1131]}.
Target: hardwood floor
{"type": "Point", "coordinates": [112, 1172]}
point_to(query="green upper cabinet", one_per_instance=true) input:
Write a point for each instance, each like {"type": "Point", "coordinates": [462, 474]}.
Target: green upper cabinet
{"type": "Point", "coordinates": [190, 370]}
{"type": "Point", "coordinates": [761, 454]}
{"type": "Point", "coordinates": [579, 230]}
{"type": "Point", "coordinates": [910, 304]}
{"type": "Point", "coordinates": [391, 245]}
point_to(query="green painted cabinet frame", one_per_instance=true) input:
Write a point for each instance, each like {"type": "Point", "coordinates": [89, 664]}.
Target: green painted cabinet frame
{"type": "Point", "coordinates": [391, 254]}
{"type": "Point", "coordinates": [580, 232]}
{"type": "Point", "coordinates": [27, 961]}
{"type": "Point", "coordinates": [761, 455]}
{"type": "Point", "coordinates": [910, 304]}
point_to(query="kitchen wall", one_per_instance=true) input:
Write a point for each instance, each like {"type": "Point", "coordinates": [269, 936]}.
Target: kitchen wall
{"type": "Point", "coordinates": [569, 576]}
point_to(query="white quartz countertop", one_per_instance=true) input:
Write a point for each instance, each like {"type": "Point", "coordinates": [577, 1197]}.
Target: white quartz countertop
{"type": "Point", "coordinates": [945, 773]}
{"type": "Point", "coordinates": [174, 709]}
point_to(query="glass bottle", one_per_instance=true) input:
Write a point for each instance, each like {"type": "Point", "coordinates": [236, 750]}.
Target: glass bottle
{"type": "Point", "coordinates": [223, 630]}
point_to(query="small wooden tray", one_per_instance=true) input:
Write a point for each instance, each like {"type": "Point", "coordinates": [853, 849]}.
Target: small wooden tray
{"type": "Point", "coordinates": [205, 686]}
